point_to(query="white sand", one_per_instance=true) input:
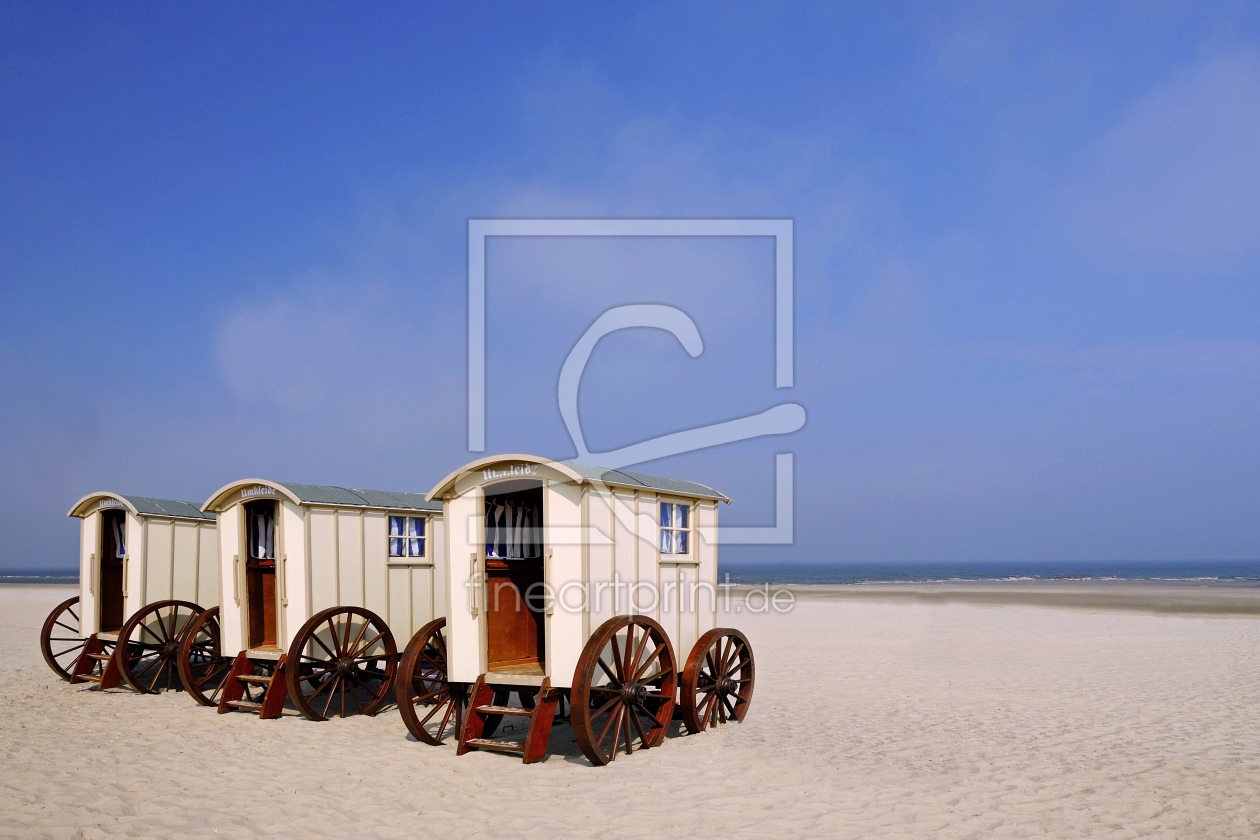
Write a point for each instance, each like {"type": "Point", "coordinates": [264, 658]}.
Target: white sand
{"type": "Point", "coordinates": [870, 719]}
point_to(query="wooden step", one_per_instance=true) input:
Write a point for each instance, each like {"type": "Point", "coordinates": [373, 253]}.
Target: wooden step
{"type": "Point", "coordinates": [85, 666]}
{"type": "Point", "coordinates": [504, 710]}
{"type": "Point", "coordinates": [480, 706]}
{"type": "Point", "coordinates": [241, 675]}
{"type": "Point", "coordinates": [496, 744]}
{"type": "Point", "coordinates": [246, 705]}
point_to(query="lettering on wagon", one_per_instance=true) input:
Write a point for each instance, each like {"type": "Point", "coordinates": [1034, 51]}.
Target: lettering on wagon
{"type": "Point", "coordinates": [110, 503]}
{"type": "Point", "coordinates": [508, 472]}
{"type": "Point", "coordinates": [260, 490]}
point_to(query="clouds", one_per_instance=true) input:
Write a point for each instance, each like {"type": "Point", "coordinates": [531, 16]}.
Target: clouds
{"type": "Point", "coordinates": [1237, 361]}
{"type": "Point", "coordinates": [1178, 176]}
{"type": "Point", "coordinates": [1002, 222]}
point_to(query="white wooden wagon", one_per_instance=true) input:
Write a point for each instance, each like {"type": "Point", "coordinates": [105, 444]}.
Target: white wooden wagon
{"type": "Point", "coordinates": [314, 577]}
{"type": "Point", "coordinates": [147, 567]}
{"type": "Point", "coordinates": [570, 581]}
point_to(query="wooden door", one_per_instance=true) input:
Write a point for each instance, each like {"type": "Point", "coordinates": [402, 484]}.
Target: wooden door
{"type": "Point", "coordinates": [113, 526]}
{"type": "Point", "coordinates": [260, 575]}
{"type": "Point", "coordinates": [514, 618]}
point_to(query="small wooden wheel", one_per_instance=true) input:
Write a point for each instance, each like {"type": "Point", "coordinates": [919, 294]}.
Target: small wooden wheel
{"type": "Point", "coordinates": [426, 700]}
{"type": "Point", "coordinates": [345, 654]}
{"type": "Point", "coordinates": [203, 669]}
{"type": "Point", "coordinates": [717, 682]}
{"type": "Point", "coordinates": [431, 706]}
{"type": "Point", "coordinates": [59, 638]}
{"type": "Point", "coordinates": [623, 688]}
{"type": "Point", "coordinates": [148, 645]}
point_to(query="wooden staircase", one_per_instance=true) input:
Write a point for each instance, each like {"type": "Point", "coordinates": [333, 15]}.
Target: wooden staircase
{"type": "Point", "coordinates": [93, 655]}
{"type": "Point", "coordinates": [275, 689]}
{"type": "Point", "coordinates": [481, 706]}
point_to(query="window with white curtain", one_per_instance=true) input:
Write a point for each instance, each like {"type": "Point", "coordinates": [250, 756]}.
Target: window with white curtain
{"type": "Point", "coordinates": [406, 536]}
{"type": "Point", "coordinates": [675, 528]}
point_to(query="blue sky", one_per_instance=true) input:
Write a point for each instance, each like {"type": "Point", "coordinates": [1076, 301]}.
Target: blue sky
{"type": "Point", "coordinates": [1027, 237]}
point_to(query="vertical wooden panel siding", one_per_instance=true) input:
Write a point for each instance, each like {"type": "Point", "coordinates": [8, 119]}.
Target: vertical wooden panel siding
{"type": "Point", "coordinates": [323, 560]}
{"type": "Point", "coordinates": [601, 562]}
{"type": "Point", "coordinates": [157, 560]}
{"type": "Point", "coordinates": [624, 549]}
{"type": "Point", "coordinates": [209, 588]}
{"type": "Point", "coordinates": [89, 550]}
{"type": "Point", "coordinates": [437, 555]}
{"type": "Point", "coordinates": [185, 562]}
{"type": "Point", "coordinates": [350, 557]}
{"type": "Point", "coordinates": [375, 559]}
{"type": "Point", "coordinates": [708, 597]}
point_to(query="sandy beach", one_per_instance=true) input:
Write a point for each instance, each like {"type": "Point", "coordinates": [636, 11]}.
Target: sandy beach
{"type": "Point", "coordinates": [1015, 710]}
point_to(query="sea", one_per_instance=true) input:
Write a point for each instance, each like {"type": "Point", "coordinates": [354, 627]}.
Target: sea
{"type": "Point", "coordinates": [1212, 572]}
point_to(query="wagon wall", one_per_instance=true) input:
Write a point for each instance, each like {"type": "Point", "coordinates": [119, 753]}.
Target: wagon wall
{"type": "Point", "coordinates": [89, 529]}
{"type": "Point", "coordinates": [180, 561]}
{"type": "Point", "coordinates": [349, 565]}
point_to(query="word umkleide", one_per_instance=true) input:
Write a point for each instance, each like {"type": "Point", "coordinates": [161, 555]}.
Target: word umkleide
{"type": "Point", "coordinates": [259, 490]}
{"type": "Point", "coordinates": [110, 503]}
{"type": "Point", "coordinates": [508, 472]}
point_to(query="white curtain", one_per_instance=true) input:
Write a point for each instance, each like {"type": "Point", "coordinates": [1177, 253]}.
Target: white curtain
{"type": "Point", "coordinates": [513, 531]}
{"type": "Point", "coordinates": [264, 537]}
{"type": "Point", "coordinates": [120, 537]}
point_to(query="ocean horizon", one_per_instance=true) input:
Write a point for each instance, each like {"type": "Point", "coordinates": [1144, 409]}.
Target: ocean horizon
{"type": "Point", "coordinates": [1235, 572]}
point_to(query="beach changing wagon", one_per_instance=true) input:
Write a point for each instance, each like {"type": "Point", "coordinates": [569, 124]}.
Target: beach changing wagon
{"type": "Point", "coordinates": [147, 568]}
{"type": "Point", "coordinates": [573, 583]}
{"type": "Point", "coordinates": [314, 577]}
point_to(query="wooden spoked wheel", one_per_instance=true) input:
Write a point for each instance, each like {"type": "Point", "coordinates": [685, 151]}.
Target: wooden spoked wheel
{"type": "Point", "coordinates": [148, 645]}
{"type": "Point", "coordinates": [433, 707]}
{"type": "Point", "coordinates": [203, 669]}
{"type": "Point", "coordinates": [342, 662]}
{"type": "Point", "coordinates": [59, 638]}
{"type": "Point", "coordinates": [623, 689]}
{"type": "Point", "coordinates": [717, 682]}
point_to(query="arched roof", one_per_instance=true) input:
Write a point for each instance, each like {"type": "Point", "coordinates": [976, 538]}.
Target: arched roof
{"type": "Point", "coordinates": [586, 474]}
{"type": "Point", "coordinates": [325, 494]}
{"type": "Point", "coordinates": [142, 506]}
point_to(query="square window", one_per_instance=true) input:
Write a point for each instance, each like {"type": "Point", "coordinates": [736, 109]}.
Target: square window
{"type": "Point", "coordinates": [674, 528]}
{"type": "Point", "coordinates": [406, 536]}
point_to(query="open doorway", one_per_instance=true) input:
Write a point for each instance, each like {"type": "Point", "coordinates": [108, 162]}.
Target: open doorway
{"type": "Point", "coordinates": [260, 575]}
{"type": "Point", "coordinates": [515, 625]}
{"type": "Point", "coordinates": [113, 549]}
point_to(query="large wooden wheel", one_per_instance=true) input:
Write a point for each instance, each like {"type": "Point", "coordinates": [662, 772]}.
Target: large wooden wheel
{"type": "Point", "coordinates": [148, 645]}
{"type": "Point", "coordinates": [623, 689]}
{"type": "Point", "coordinates": [203, 669]}
{"type": "Point", "coordinates": [432, 706]}
{"type": "Point", "coordinates": [717, 682]}
{"type": "Point", "coordinates": [342, 662]}
{"type": "Point", "coordinates": [59, 638]}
